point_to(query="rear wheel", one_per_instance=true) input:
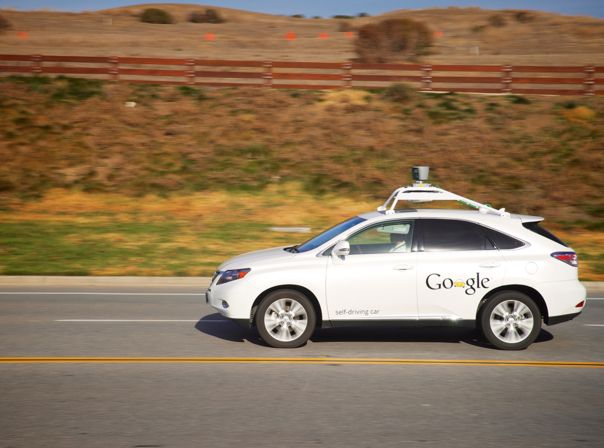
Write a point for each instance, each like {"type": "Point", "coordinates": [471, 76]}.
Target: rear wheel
{"type": "Point", "coordinates": [510, 320]}
{"type": "Point", "coordinates": [285, 318]}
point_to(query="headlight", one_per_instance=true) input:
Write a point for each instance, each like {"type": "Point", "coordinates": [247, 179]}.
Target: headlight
{"type": "Point", "coordinates": [233, 274]}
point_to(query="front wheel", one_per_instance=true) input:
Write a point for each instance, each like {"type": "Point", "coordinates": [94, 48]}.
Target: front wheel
{"type": "Point", "coordinates": [285, 319]}
{"type": "Point", "coordinates": [511, 320]}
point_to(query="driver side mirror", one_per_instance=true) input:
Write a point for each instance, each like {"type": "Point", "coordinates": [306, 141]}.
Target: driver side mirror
{"type": "Point", "coordinates": [341, 249]}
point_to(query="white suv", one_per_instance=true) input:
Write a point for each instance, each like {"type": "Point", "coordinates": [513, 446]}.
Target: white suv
{"type": "Point", "coordinates": [484, 268]}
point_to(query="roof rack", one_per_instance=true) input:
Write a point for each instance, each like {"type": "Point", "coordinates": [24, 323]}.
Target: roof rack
{"type": "Point", "coordinates": [422, 192]}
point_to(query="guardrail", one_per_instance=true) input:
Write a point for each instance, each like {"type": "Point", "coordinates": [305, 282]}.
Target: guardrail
{"type": "Point", "coordinates": [507, 79]}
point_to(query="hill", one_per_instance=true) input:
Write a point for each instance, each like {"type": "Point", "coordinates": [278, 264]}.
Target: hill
{"type": "Point", "coordinates": [190, 174]}
{"type": "Point", "coordinates": [463, 35]}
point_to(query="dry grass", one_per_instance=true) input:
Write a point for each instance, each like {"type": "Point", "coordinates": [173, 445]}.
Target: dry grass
{"type": "Point", "coordinates": [548, 39]}
{"type": "Point", "coordinates": [68, 232]}
{"type": "Point", "coordinates": [531, 158]}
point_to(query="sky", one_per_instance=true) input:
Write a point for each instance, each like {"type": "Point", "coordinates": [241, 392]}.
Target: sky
{"type": "Point", "coordinates": [327, 8]}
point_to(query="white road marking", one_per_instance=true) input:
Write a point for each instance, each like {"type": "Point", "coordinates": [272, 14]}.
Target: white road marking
{"type": "Point", "coordinates": [143, 320]}
{"type": "Point", "coordinates": [103, 293]}
{"type": "Point", "coordinates": [594, 325]}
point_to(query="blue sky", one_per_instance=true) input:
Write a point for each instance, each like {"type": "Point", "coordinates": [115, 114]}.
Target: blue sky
{"type": "Point", "coordinates": [327, 8]}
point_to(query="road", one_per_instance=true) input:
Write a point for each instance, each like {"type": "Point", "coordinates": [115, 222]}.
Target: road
{"type": "Point", "coordinates": [174, 402]}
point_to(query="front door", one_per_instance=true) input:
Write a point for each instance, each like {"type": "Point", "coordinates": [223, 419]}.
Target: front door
{"type": "Point", "coordinates": [377, 281]}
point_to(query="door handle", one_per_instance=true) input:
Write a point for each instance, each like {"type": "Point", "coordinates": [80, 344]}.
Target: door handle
{"type": "Point", "coordinates": [490, 265]}
{"type": "Point", "coordinates": [403, 267]}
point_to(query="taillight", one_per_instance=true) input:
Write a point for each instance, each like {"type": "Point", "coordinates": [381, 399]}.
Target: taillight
{"type": "Point", "coordinates": [569, 258]}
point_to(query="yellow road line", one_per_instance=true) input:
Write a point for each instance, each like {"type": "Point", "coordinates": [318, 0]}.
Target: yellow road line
{"type": "Point", "coordinates": [321, 360]}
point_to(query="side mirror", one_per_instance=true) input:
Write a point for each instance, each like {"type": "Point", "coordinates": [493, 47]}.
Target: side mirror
{"type": "Point", "coordinates": [341, 249]}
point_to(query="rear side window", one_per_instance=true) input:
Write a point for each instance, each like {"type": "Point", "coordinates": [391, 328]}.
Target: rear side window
{"type": "Point", "coordinates": [449, 235]}
{"type": "Point", "coordinates": [535, 227]}
{"type": "Point", "coordinates": [502, 241]}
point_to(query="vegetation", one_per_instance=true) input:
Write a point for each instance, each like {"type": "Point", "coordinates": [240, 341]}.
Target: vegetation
{"type": "Point", "coordinates": [4, 24]}
{"type": "Point", "coordinates": [345, 27]}
{"type": "Point", "coordinates": [207, 16]}
{"type": "Point", "coordinates": [497, 21]}
{"type": "Point", "coordinates": [392, 40]}
{"type": "Point", "coordinates": [88, 185]}
{"type": "Point", "coordinates": [156, 15]}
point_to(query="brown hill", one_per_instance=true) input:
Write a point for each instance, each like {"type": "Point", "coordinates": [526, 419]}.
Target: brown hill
{"type": "Point", "coordinates": [463, 35]}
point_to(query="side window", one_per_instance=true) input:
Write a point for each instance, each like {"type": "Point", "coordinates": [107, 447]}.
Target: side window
{"type": "Point", "coordinates": [391, 237]}
{"type": "Point", "coordinates": [501, 240]}
{"type": "Point", "coordinates": [448, 235]}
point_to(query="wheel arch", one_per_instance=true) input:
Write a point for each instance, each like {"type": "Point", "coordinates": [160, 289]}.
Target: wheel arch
{"type": "Point", "coordinates": [529, 291]}
{"type": "Point", "coordinates": [307, 292]}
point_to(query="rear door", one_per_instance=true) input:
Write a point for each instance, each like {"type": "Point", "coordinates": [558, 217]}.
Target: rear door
{"type": "Point", "coordinates": [457, 266]}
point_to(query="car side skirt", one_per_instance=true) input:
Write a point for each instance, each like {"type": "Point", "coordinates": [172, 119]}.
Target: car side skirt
{"type": "Point", "coordinates": [460, 323]}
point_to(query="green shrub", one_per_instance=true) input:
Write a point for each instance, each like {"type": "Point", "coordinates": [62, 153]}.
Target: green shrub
{"type": "Point", "coordinates": [392, 39]}
{"type": "Point", "coordinates": [156, 15]}
{"type": "Point", "coordinates": [76, 89]}
{"type": "Point", "coordinates": [517, 99]}
{"type": "Point", "coordinates": [399, 93]}
{"type": "Point", "coordinates": [193, 92]}
{"type": "Point", "coordinates": [297, 16]}
{"type": "Point", "coordinates": [363, 14]}
{"type": "Point", "coordinates": [341, 16]}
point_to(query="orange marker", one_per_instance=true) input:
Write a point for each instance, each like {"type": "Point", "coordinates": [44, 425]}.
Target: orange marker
{"type": "Point", "coordinates": [290, 35]}
{"type": "Point", "coordinates": [350, 34]}
{"type": "Point", "coordinates": [438, 34]}
{"type": "Point", "coordinates": [210, 37]}
{"type": "Point", "coordinates": [23, 35]}
{"type": "Point", "coordinates": [323, 36]}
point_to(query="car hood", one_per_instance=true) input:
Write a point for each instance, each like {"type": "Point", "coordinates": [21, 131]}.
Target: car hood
{"type": "Point", "coordinates": [251, 259]}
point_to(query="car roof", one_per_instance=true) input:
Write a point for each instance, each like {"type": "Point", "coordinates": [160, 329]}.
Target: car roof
{"type": "Point", "coordinates": [471, 215]}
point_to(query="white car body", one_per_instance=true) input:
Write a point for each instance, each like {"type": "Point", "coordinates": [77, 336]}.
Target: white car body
{"type": "Point", "coordinates": [378, 285]}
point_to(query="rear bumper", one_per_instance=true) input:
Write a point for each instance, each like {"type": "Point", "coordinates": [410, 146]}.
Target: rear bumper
{"type": "Point", "coordinates": [553, 320]}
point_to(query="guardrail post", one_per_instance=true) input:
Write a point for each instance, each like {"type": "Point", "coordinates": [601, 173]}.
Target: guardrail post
{"type": "Point", "coordinates": [36, 61]}
{"type": "Point", "coordinates": [347, 75]}
{"type": "Point", "coordinates": [506, 78]}
{"type": "Point", "coordinates": [267, 73]}
{"type": "Point", "coordinates": [426, 77]}
{"type": "Point", "coordinates": [190, 71]}
{"type": "Point", "coordinates": [589, 81]}
{"type": "Point", "coordinates": [114, 70]}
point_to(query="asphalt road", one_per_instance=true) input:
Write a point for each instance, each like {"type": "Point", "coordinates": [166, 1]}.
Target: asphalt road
{"type": "Point", "coordinates": [175, 403]}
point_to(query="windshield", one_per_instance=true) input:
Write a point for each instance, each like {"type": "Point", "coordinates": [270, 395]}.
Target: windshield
{"type": "Point", "coordinates": [318, 240]}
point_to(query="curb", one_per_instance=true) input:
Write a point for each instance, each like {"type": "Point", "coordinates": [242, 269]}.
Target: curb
{"type": "Point", "coordinates": [202, 282]}
{"type": "Point", "coordinates": [58, 280]}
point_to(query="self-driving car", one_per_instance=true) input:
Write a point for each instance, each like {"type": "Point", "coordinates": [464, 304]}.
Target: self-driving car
{"type": "Point", "coordinates": [501, 273]}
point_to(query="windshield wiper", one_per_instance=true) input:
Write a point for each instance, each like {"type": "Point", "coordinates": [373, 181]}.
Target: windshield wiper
{"type": "Point", "coordinates": [292, 249]}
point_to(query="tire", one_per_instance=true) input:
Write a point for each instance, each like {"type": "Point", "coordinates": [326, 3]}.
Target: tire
{"type": "Point", "coordinates": [286, 318]}
{"type": "Point", "coordinates": [510, 320]}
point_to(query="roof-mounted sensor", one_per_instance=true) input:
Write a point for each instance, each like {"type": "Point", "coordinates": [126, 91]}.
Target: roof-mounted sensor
{"type": "Point", "coordinates": [424, 192]}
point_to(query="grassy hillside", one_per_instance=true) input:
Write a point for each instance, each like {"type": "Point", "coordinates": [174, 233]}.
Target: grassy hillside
{"type": "Point", "coordinates": [190, 176]}
{"type": "Point", "coordinates": [463, 35]}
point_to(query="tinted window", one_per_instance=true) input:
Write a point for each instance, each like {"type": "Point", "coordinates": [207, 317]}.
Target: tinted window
{"type": "Point", "coordinates": [318, 240]}
{"type": "Point", "coordinates": [535, 227]}
{"type": "Point", "coordinates": [390, 237]}
{"type": "Point", "coordinates": [448, 234]}
{"type": "Point", "coordinates": [502, 241]}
